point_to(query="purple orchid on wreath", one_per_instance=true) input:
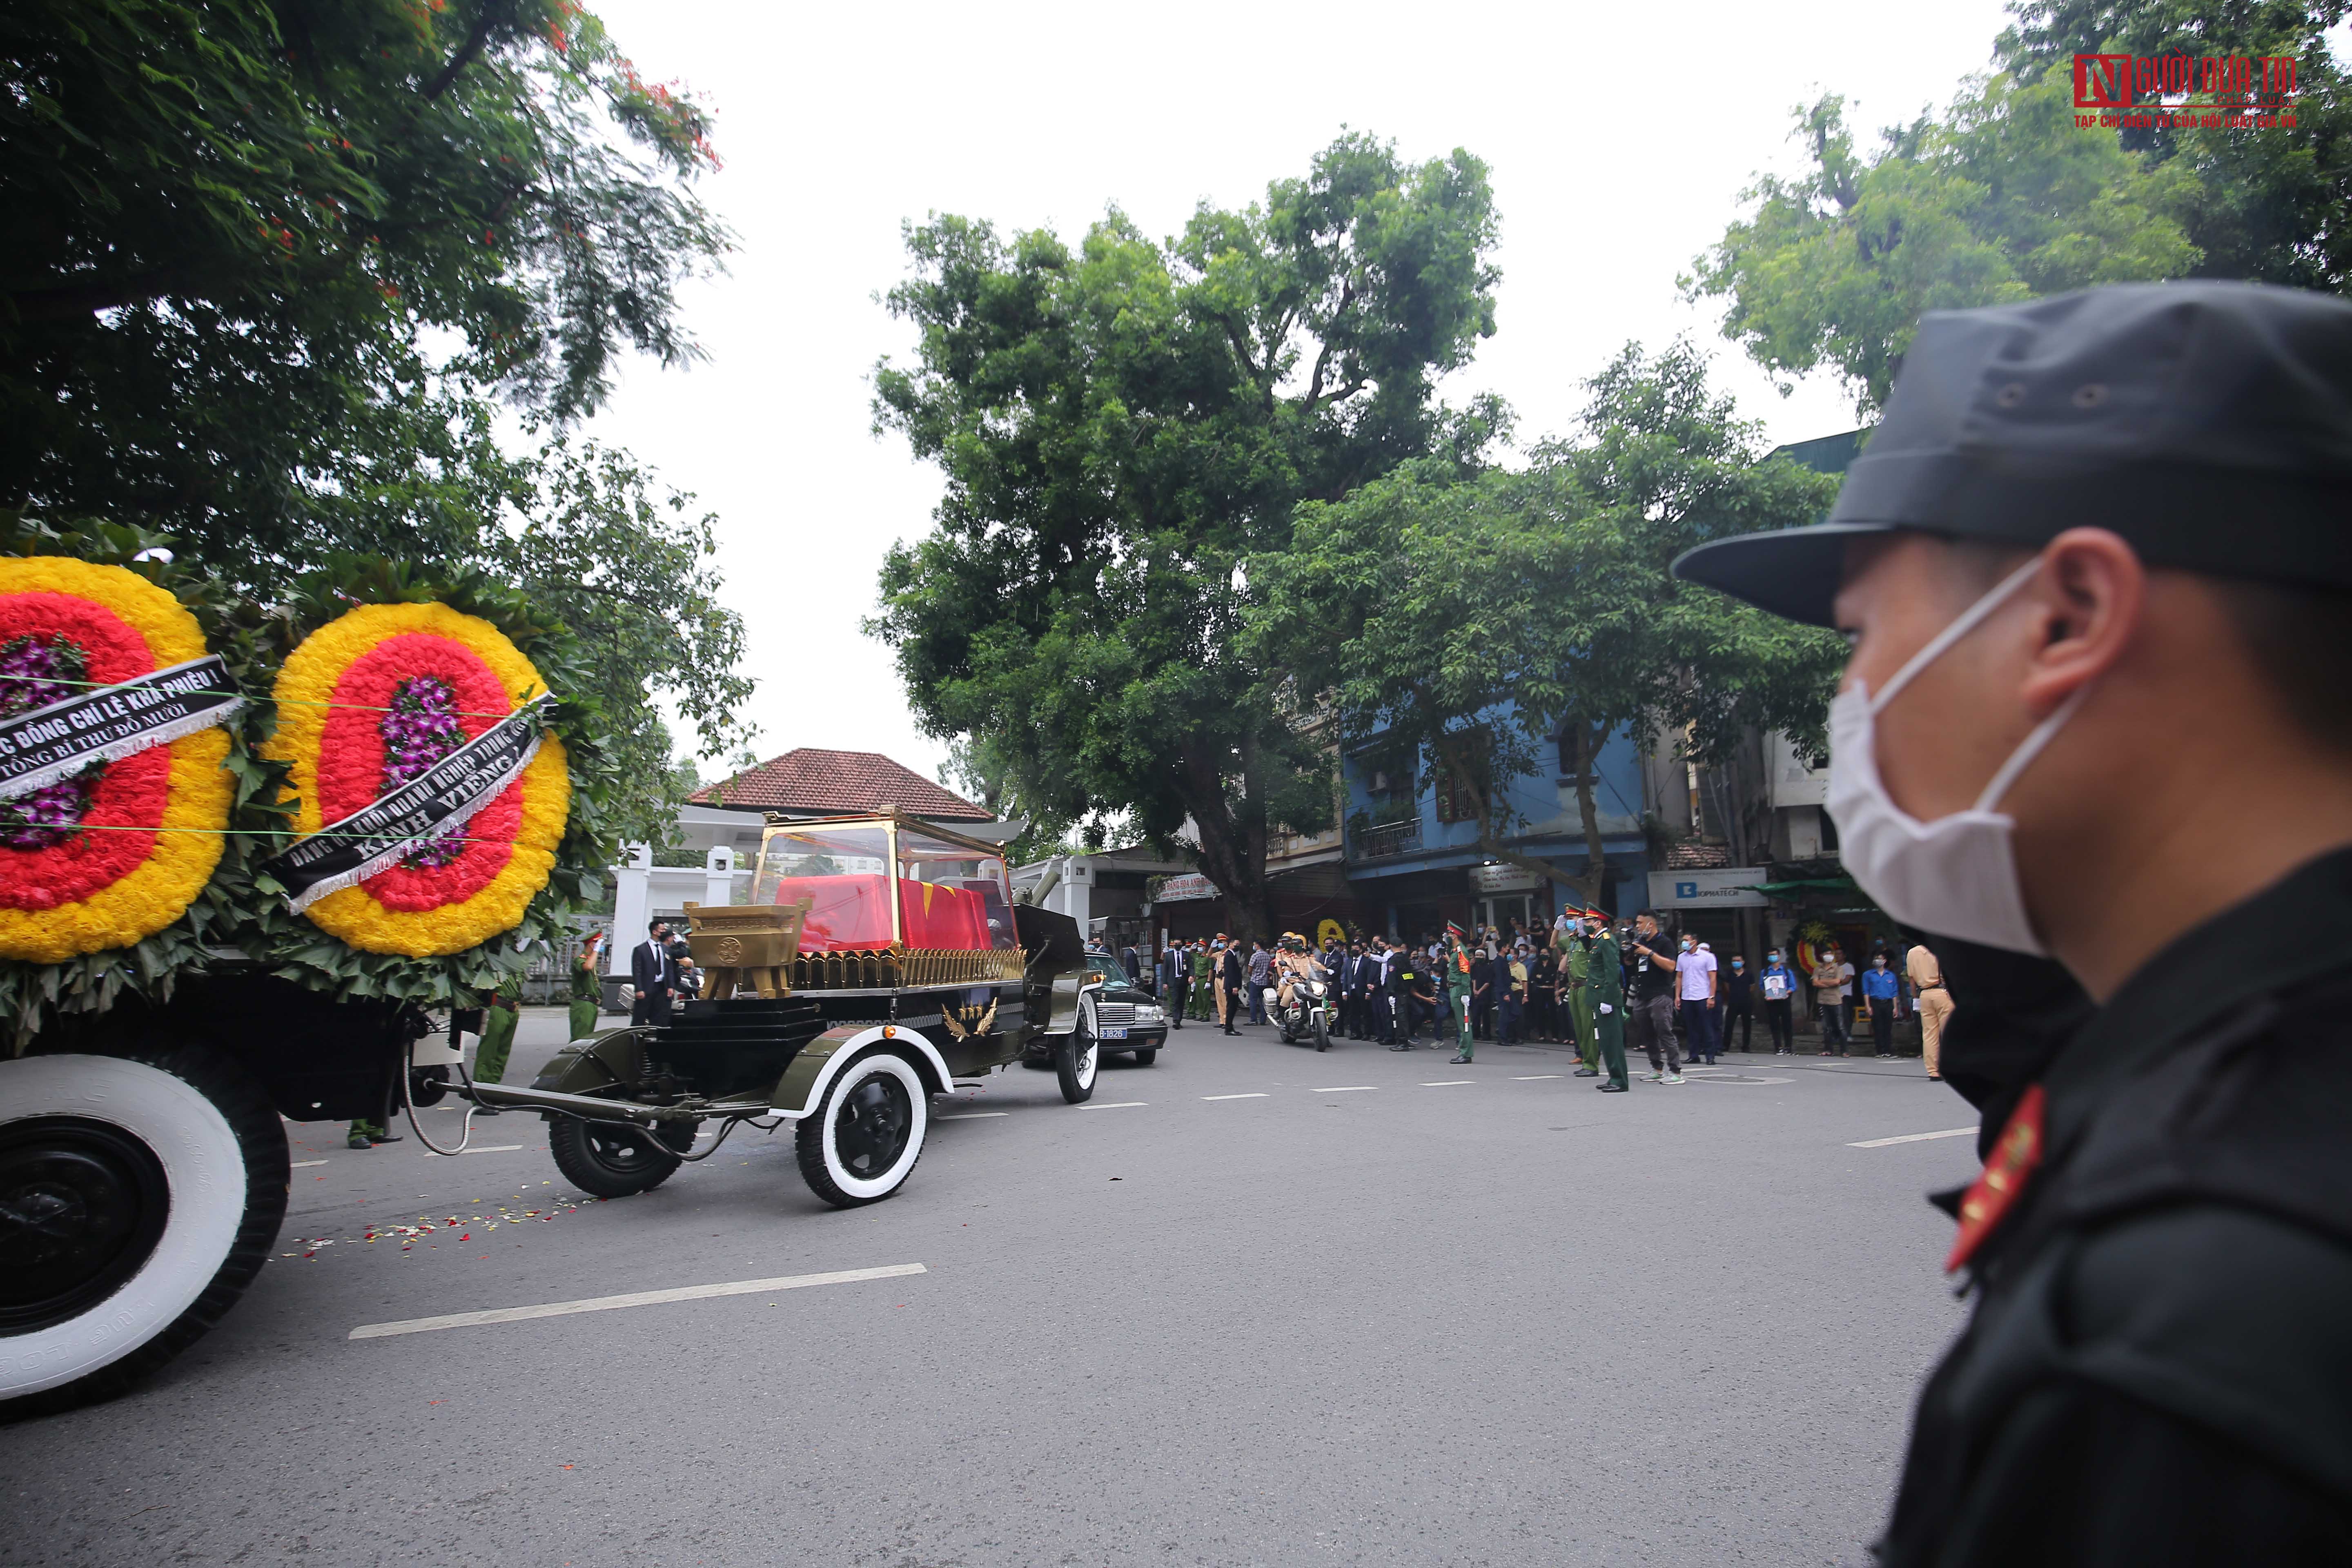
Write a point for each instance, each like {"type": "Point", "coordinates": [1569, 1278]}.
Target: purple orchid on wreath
{"type": "Point", "coordinates": [34, 671]}
{"type": "Point", "coordinates": [421, 729]}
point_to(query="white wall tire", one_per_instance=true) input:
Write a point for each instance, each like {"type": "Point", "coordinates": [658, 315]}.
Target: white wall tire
{"type": "Point", "coordinates": [189, 1116]}
{"type": "Point", "coordinates": [1078, 1059]}
{"type": "Point", "coordinates": [860, 1145]}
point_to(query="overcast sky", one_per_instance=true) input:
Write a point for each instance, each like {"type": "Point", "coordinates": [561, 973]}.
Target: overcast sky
{"type": "Point", "coordinates": [1619, 139]}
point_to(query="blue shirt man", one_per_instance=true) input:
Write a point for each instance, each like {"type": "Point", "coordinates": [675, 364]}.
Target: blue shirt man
{"type": "Point", "coordinates": [1880, 991]}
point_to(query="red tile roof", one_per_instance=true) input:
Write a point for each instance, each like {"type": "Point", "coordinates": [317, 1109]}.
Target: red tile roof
{"type": "Point", "coordinates": [830, 783]}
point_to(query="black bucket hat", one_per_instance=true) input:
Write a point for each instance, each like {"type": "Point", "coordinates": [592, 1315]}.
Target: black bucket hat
{"type": "Point", "coordinates": [2210, 424]}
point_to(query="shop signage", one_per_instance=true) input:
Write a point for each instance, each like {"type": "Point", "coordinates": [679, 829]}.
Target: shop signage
{"type": "Point", "coordinates": [1501, 879]}
{"type": "Point", "coordinates": [1734, 889]}
{"type": "Point", "coordinates": [1190, 885]}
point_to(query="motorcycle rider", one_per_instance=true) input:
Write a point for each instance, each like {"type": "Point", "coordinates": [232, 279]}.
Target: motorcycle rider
{"type": "Point", "coordinates": [1293, 962]}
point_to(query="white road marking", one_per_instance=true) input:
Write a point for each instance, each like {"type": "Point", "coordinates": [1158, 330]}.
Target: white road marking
{"type": "Point", "coordinates": [1234, 1097]}
{"type": "Point", "coordinates": [1116, 1105]}
{"type": "Point", "coordinates": [1448, 1082]}
{"type": "Point", "coordinates": [1915, 1138]}
{"type": "Point", "coordinates": [298, 1164]}
{"type": "Point", "coordinates": [479, 1148]}
{"type": "Point", "coordinates": [1346, 1088]}
{"type": "Point", "coordinates": [1538, 1077]}
{"type": "Point", "coordinates": [1743, 1082]}
{"type": "Point", "coordinates": [971, 1115]}
{"type": "Point", "coordinates": [639, 1299]}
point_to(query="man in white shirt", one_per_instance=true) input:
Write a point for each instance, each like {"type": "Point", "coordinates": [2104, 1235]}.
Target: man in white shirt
{"type": "Point", "coordinates": [1695, 982]}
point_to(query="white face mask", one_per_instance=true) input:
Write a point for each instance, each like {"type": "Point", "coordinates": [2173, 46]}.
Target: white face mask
{"type": "Point", "coordinates": [1957, 875]}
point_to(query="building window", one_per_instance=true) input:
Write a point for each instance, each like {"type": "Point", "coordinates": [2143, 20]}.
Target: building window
{"type": "Point", "coordinates": [1456, 803]}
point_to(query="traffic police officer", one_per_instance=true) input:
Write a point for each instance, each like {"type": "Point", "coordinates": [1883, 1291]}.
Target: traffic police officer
{"type": "Point", "coordinates": [2096, 565]}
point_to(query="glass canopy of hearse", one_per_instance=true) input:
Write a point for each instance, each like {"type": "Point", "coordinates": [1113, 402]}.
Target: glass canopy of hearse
{"type": "Point", "coordinates": [875, 882]}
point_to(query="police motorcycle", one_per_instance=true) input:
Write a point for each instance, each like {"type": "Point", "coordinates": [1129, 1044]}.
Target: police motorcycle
{"type": "Point", "coordinates": [1313, 998]}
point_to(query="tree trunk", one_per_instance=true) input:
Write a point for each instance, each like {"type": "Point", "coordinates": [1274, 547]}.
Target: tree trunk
{"type": "Point", "coordinates": [1232, 852]}
{"type": "Point", "coordinates": [1588, 811]}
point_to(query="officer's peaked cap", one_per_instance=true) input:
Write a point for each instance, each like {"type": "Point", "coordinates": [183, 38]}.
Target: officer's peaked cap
{"type": "Point", "coordinates": [2210, 424]}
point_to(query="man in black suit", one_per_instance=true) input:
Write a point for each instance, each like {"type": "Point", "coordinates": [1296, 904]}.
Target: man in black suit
{"type": "Point", "coordinates": [1375, 981]}
{"type": "Point", "coordinates": [1232, 976]}
{"type": "Point", "coordinates": [1351, 991]}
{"type": "Point", "coordinates": [653, 972]}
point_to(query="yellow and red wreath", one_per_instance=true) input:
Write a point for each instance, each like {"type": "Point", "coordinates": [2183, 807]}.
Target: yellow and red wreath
{"type": "Point", "coordinates": [370, 700]}
{"type": "Point", "coordinates": [114, 854]}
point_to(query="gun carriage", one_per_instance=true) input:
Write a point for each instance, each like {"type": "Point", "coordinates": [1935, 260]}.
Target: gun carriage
{"type": "Point", "coordinates": [880, 961]}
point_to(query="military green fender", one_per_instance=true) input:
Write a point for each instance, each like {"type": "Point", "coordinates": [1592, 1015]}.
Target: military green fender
{"type": "Point", "coordinates": [599, 1061]}
{"type": "Point", "coordinates": [814, 1068]}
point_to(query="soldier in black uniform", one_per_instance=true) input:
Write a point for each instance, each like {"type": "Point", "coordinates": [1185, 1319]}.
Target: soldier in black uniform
{"type": "Point", "coordinates": [2095, 742]}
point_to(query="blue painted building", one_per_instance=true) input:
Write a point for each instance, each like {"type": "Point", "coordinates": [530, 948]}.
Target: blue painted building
{"type": "Point", "coordinates": [1413, 864]}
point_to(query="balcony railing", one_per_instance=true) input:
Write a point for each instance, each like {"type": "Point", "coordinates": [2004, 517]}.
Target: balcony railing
{"type": "Point", "coordinates": [1386, 839]}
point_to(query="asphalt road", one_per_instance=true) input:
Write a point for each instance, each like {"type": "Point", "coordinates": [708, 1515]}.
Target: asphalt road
{"type": "Point", "coordinates": [1368, 1314]}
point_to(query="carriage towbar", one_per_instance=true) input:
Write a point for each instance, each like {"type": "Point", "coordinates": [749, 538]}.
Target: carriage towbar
{"type": "Point", "coordinates": [597, 1109]}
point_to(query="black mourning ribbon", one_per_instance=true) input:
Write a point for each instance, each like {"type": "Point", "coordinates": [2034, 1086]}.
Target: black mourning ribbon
{"type": "Point", "coordinates": [443, 797]}
{"type": "Point", "coordinates": [105, 724]}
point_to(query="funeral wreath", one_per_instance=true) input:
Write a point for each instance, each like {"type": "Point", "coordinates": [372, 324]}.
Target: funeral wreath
{"type": "Point", "coordinates": [244, 847]}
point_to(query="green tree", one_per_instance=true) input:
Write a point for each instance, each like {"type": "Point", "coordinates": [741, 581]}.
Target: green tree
{"type": "Point", "coordinates": [2269, 202]}
{"type": "Point", "coordinates": [271, 260]}
{"type": "Point", "coordinates": [2003, 198]}
{"type": "Point", "coordinates": [1123, 424]}
{"type": "Point", "coordinates": [1467, 621]}
{"type": "Point", "coordinates": [630, 568]}
{"type": "Point", "coordinates": [987, 773]}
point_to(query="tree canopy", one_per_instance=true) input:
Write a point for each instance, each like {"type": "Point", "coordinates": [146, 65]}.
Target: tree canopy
{"type": "Point", "coordinates": [274, 263]}
{"type": "Point", "coordinates": [1122, 423]}
{"type": "Point", "coordinates": [2001, 198]}
{"type": "Point", "coordinates": [2268, 204]}
{"type": "Point", "coordinates": [2005, 197]}
{"type": "Point", "coordinates": [1466, 620]}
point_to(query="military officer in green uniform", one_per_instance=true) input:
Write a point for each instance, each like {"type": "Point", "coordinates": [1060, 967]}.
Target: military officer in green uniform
{"type": "Point", "coordinates": [1578, 960]}
{"type": "Point", "coordinates": [1457, 989]}
{"type": "Point", "coordinates": [1604, 984]}
{"type": "Point", "coordinates": [1202, 1005]}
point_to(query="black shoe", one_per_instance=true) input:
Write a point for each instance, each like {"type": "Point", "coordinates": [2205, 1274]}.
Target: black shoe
{"type": "Point", "coordinates": [1457, 1061]}
{"type": "Point", "coordinates": [1400, 1047]}
{"type": "Point", "coordinates": [1605, 1087]}
{"type": "Point", "coordinates": [385, 1137]}
{"type": "Point", "coordinates": [1586, 1072]}
{"type": "Point", "coordinates": [486, 1110]}
{"type": "Point", "coordinates": [1233, 1031]}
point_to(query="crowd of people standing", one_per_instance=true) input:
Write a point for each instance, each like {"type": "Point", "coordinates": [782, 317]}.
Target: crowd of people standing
{"type": "Point", "coordinates": [1674, 998]}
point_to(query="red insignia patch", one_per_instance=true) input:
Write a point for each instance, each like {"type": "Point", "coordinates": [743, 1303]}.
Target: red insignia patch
{"type": "Point", "coordinates": [2014, 1155]}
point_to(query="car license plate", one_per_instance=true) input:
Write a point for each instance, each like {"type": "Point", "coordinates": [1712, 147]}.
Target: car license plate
{"type": "Point", "coordinates": [1114, 1034]}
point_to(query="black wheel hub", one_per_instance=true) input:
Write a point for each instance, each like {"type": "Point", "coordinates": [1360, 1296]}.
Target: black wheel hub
{"type": "Point", "coordinates": [82, 1204]}
{"type": "Point", "coordinates": [623, 1149]}
{"type": "Point", "coordinates": [871, 1129]}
